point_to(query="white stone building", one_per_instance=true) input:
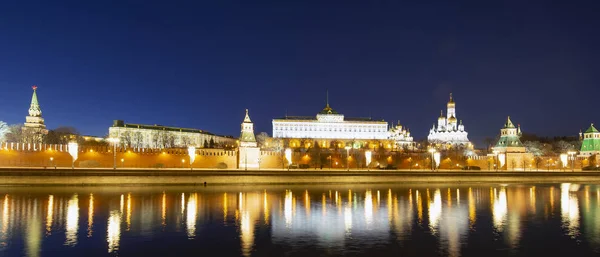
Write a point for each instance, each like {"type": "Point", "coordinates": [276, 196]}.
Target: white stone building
{"type": "Point", "coordinates": [158, 136]}
{"type": "Point", "coordinates": [449, 131]}
{"type": "Point", "coordinates": [401, 136]}
{"type": "Point", "coordinates": [329, 124]}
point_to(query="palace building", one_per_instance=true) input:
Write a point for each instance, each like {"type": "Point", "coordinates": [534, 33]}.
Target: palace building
{"type": "Point", "coordinates": [158, 136]}
{"type": "Point", "coordinates": [449, 131]}
{"type": "Point", "coordinates": [34, 128]}
{"type": "Point", "coordinates": [329, 125]}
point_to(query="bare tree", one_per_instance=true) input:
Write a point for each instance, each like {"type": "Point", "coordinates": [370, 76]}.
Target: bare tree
{"type": "Point", "coordinates": [126, 139]}
{"type": "Point", "coordinates": [262, 138]}
{"type": "Point", "coordinates": [186, 141]}
{"type": "Point", "coordinates": [137, 139]}
{"type": "Point", "coordinates": [4, 129]}
{"type": "Point", "coordinates": [14, 134]}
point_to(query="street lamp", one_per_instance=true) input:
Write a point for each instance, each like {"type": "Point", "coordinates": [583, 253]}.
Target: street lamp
{"type": "Point", "coordinates": [432, 151]}
{"type": "Point", "coordinates": [288, 156]}
{"type": "Point", "coordinates": [368, 155]}
{"type": "Point", "coordinates": [348, 157]}
{"type": "Point", "coordinates": [52, 162]}
{"type": "Point", "coordinates": [564, 160]}
{"type": "Point", "coordinates": [572, 154]}
{"type": "Point", "coordinates": [182, 162]}
{"type": "Point", "coordinates": [114, 141]}
{"type": "Point", "coordinates": [192, 154]}
{"type": "Point", "coordinates": [496, 159]}
{"type": "Point", "coordinates": [73, 150]}
{"type": "Point", "coordinates": [122, 163]}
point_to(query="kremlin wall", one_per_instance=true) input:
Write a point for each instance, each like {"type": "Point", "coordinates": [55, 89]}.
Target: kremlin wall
{"type": "Point", "coordinates": [48, 156]}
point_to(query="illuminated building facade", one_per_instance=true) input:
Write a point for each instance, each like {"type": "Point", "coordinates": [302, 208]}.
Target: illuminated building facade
{"type": "Point", "coordinates": [329, 126]}
{"type": "Point", "coordinates": [449, 130]}
{"type": "Point", "coordinates": [158, 136]}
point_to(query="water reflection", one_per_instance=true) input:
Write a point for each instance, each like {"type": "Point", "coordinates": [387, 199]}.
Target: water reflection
{"type": "Point", "coordinates": [336, 218]}
{"type": "Point", "coordinates": [190, 220]}
{"type": "Point", "coordinates": [72, 224]}
{"type": "Point", "coordinates": [569, 208]}
{"type": "Point", "coordinates": [113, 231]}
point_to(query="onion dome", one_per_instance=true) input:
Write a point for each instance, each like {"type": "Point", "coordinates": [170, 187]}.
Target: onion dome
{"type": "Point", "coordinates": [441, 115]}
{"type": "Point", "coordinates": [452, 119]}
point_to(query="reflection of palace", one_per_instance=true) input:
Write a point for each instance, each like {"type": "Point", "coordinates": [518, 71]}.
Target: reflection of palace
{"type": "Point", "coordinates": [330, 220]}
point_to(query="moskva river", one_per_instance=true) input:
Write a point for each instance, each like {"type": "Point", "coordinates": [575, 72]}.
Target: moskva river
{"type": "Point", "coordinates": [302, 220]}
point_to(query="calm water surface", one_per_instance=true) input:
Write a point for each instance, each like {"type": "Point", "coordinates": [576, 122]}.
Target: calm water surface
{"type": "Point", "coordinates": [361, 220]}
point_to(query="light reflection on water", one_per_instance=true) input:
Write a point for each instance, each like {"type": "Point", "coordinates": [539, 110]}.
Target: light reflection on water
{"type": "Point", "coordinates": [443, 220]}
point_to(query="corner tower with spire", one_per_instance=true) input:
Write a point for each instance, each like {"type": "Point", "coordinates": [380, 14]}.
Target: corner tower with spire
{"type": "Point", "coordinates": [34, 126]}
{"type": "Point", "coordinates": [249, 153]}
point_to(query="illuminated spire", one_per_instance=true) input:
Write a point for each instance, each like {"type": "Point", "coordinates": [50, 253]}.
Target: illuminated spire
{"type": "Point", "coordinates": [247, 118]}
{"type": "Point", "coordinates": [34, 108]}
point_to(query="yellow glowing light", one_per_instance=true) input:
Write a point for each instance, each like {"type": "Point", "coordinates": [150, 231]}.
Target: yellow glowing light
{"type": "Point", "coordinates": [288, 155]}
{"type": "Point", "coordinates": [163, 215]}
{"type": "Point", "coordinates": [113, 233]}
{"type": "Point", "coordinates": [128, 217]}
{"type": "Point", "coordinates": [435, 210]}
{"type": "Point", "coordinates": [90, 216]}
{"type": "Point", "coordinates": [569, 207]}
{"type": "Point", "coordinates": [72, 224]}
{"type": "Point", "coordinates": [368, 155]}
{"type": "Point", "coordinates": [287, 208]}
{"type": "Point", "coordinates": [192, 208]}
{"type": "Point", "coordinates": [499, 209]}
{"type": "Point", "coordinates": [369, 207]}
{"type": "Point", "coordinates": [49, 215]}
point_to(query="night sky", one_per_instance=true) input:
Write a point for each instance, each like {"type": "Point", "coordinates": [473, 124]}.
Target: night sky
{"type": "Point", "coordinates": [198, 64]}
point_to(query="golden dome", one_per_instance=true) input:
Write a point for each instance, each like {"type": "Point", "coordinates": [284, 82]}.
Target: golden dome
{"type": "Point", "coordinates": [451, 102]}
{"type": "Point", "coordinates": [452, 119]}
{"type": "Point", "coordinates": [441, 115]}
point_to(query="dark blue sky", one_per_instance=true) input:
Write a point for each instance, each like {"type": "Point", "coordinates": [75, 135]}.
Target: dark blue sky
{"type": "Point", "coordinates": [199, 64]}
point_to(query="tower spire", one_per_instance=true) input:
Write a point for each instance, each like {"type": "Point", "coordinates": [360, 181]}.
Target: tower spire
{"type": "Point", "coordinates": [247, 118]}
{"type": "Point", "coordinates": [34, 107]}
{"type": "Point", "coordinates": [327, 98]}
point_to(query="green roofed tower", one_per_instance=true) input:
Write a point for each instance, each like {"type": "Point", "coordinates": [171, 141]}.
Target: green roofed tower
{"type": "Point", "coordinates": [591, 141]}
{"type": "Point", "coordinates": [509, 138]}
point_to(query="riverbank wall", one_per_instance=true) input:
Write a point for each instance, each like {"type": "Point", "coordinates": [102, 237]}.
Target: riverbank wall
{"type": "Point", "coordinates": [85, 177]}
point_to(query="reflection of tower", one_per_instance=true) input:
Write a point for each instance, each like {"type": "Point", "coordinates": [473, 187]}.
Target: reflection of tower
{"type": "Point", "coordinates": [249, 152]}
